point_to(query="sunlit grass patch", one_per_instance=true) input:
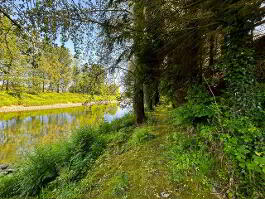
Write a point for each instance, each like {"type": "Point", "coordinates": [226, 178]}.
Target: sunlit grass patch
{"type": "Point", "coordinates": [48, 98]}
{"type": "Point", "coordinates": [7, 100]}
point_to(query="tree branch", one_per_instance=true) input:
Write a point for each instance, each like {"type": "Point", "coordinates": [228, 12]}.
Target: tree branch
{"type": "Point", "coordinates": [13, 21]}
{"type": "Point", "coordinates": [259, 23]}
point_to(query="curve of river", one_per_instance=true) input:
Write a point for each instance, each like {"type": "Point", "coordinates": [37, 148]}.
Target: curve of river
{"type": "Point", "coordinates": [21, 131]}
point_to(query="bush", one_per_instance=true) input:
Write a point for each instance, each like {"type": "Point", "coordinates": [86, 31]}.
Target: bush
{"type": "Point", "coordinates": [44, 165]}
{"type": "Point", "coordinates": [9, 186]}
{"type": "Point", "coordinates": [85, 147]}
{"type": "Point", "coordinates": [189, 158]}
{"type": "Point", "coordinates": [200, 108]}
{"type": "Point", "coordinates": [40, 168]}
{"type": "Point", "coordinates": [244, 142]}
{"type": "Point", "coordinates": [239, 136]}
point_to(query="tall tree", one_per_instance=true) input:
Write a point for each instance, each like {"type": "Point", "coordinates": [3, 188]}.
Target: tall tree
{"type": "Point", "coordinates": [12, 61]}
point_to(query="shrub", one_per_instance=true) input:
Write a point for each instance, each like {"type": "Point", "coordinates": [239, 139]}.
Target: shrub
{"type": "Point", "coordinates": [200, 109]}
{"type": "Point", "coordinates": [39, 169]}
{"type": "Point", "coordinates": [9, 186]}
{"type": "Point", "coordinates": [239, 136]}
{"type": "Point", "coordinates": [85, 147]}
{"type": "Point", "coordinates": [45, 164]}
{"type": "Point", "coordinates": [244, 142]}
{"type": "Point", "coordinates": [189, 157]}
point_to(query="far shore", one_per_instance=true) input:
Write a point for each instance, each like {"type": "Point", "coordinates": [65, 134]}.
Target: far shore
{"type": "Point", "coordinates": [7, 109]}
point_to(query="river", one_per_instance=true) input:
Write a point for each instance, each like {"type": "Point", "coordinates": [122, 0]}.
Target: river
{"type": "Point", "coordinates": [21, 131]}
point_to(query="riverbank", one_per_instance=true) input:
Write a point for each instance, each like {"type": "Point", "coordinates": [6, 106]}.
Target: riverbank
{"type": "Point", "coordinates": [9, 101]}
{"type": "Point", "coordinates": [120, 160]}
{"type": "Point", "coordinates": [8, 109]}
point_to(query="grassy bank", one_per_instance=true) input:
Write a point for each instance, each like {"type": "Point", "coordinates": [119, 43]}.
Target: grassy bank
{"type": "Point", "coordinates": [25, 99]}
{"type": "Point", "coordinates": [167, 157]}
{"type": "Point", "coordinates": [117, 160]}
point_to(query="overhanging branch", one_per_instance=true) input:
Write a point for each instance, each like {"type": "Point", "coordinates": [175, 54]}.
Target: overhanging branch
{"type": "Point", "coordinates": [12, 21]}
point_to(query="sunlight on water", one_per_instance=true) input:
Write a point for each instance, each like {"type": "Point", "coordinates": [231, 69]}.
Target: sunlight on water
{"type": "Point", "coordinates": [19, 132]}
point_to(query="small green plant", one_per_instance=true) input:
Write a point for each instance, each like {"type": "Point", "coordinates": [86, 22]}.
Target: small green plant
{"type": "Point", "coordinates": [244, 143]}
{"type": "Point", "coordinates": [141, 135]}
{"type": "Point", "coordinates": [189, 158]}
{"type": "Point", "coordinates": [121, 185]}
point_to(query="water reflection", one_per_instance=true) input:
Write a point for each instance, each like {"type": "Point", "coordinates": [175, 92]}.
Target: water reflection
{"type": "Point", "coordinates": [19, 132]}
{"type": "Point", "coordinates": [119, 113]}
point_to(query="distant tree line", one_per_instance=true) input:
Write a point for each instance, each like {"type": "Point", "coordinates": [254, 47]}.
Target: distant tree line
{"type": "Point", "coordinates": [39, 66]}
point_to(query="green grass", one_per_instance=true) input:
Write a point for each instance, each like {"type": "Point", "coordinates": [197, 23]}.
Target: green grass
{"type": "Point", "coordinates": [25, 99]}
{"type": "Point", "coordinates": [7, 99]}
{"type": "Point", "coordinates": [141, 135]}
{"type": "Point", "coordinates": [121, 161]}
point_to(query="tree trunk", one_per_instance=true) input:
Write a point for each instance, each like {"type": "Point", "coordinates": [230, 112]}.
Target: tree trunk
{"type": "Point", "coordinates": [8, 75]}
{"type": "Point", "coordinates": [7, 85]}
{"type": "Point", "coordinates": [211, 51]}
{"type": "Point", "coordinates": [2, 85]}
{"type": "Point", "coordinates": [148, 96]}
{"type": "Point", "coordinates": [156, 97]}
{"type": "Point", "coordinates": [138, 101]}
{"type": "Point", "coordinates": [58, 88]}
{"type": "Point", "coordinates": [43, 86]}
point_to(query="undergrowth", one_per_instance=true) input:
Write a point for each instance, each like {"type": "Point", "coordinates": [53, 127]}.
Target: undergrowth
{"type": "Point", "coordinates": [55, 169]}
{"type": "Point", "coordinates": [198, 151]}
{"type": "Point", "coordinates": [221, 141]}
{"type": "Point", "coordinates": [141, 135]}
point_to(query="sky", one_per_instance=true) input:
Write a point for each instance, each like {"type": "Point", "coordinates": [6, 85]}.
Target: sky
{"type": "Point", "coordinates": [260, 30]}
{"type": "Point", "coordinates": [69, 44]}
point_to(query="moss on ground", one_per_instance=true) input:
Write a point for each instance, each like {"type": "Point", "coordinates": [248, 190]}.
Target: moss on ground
{"type": "Point", "coordinates": [146, 166]}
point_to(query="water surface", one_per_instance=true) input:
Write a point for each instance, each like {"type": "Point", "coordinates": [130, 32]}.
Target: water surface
{"type": "Point", "coordinates": [20, 132]}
